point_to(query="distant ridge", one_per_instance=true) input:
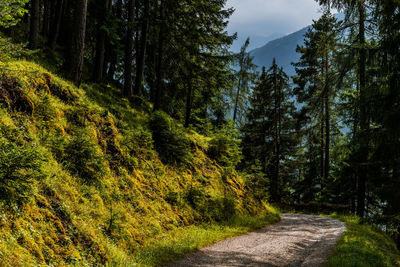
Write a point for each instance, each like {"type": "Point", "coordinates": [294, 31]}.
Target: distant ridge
{"type": "Point", "coordinates": [283, 49]}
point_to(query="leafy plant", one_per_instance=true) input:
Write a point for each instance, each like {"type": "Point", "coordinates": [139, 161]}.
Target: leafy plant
{"type": "Point", "coordinates": [11, 11]}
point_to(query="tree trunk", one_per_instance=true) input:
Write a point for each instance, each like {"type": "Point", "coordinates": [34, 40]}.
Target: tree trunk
{"type": "Point", "coordinates": [275, 178]}
{"type": "Point", "coordinates": [160, 57]}
{"type": "Point", "coordinates": [34, 25]}
{"type": "Point", "coordinates": [46, 17]}
{"type": "Point", "coordinates": [113, 54]}
{"type": "Point", "coordinates": [98, 69]}
{"type": "Point", "coordinates": [77, 49]}
{"type": "Point", "coordinates": [140, 59]}
{"type": "Point", "coordinates": [364, 124]}
{"type": "Point", "coordinates": [321, 151]}
{"type": "Point", "coordinates": [56, 24]}
{"type": "Point", "coordinates": [327, 124]}
{"type": "Point", "coordinates": [189, 94]}
{"type": "Point", "coordinates": [235, 110]}
{"type": "Point", "coordinates": [129, 50]}
{"type": "Point", "coordinates": [278, 150]}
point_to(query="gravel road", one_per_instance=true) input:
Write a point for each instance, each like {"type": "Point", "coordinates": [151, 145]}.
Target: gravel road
{"type": "Point", "coordinates": [298, 240]}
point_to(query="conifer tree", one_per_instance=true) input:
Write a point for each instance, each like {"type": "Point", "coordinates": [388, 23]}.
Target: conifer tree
{"type": "Point", "coordinates": [245, 76]}
{"type": "Point", "coordinates": [356, 20]}
{"type": "Point", "coordinates": [269, 134]}
{"type": "Point", "coordinates": [315, 89]}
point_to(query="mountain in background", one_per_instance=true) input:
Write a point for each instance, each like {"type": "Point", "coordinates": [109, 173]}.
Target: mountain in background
{"type": "Point", "coordinates": [283, 49]}
{"type": "Point", "coordinates": [255, 41]}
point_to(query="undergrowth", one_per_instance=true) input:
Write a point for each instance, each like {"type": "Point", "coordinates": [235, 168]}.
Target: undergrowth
{"type": "Point", "coordinates": [363, 245]}
{"type": "Point", "coordinates": [85, 179]}
{"type": "Point", "coordinates": [177, 243]}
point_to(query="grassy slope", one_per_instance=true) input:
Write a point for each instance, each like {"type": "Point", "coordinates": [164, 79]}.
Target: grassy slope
{"type": "Point", "coordinates": [119, 209]}
{"type": "Point", "coordinates": [363, 246]}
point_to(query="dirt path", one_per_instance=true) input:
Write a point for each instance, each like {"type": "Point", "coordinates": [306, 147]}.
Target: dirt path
{"type": "Point", "coordinates": [298, 240]}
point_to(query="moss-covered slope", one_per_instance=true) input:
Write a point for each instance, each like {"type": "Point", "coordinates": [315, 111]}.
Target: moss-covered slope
{"type": "Point", "coordinates": [81, 182]}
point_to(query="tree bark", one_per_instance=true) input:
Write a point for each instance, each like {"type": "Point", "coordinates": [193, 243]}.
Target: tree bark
{"type": "Point", "coordinates": [327, 124]}
{"type": "Point", "coordinates": [34, 25]}
{"type": "Point", "coordinates": [275, 180]}
{"type": "Point", "coordinates": [117, 11]}
{"type": "Point", "coordinates": [364, 124]}
{"type": "Point", "coordinates": [235, 109]}
{"type": "Point", "coordinates": [129, 50]}
{"type": "Point", "coordinates": [278, 151]}
{"type": "Point", "coordinates": [77, 49]}
{"type": "Point", "coordinates": [189, 94]}
{"type": "Point", "coordinates": [160, 58]}
{"type": "Point", "coordinates": [46, 17]}
{"type": "Point", "coordinates": [98, 69]}
{"type": "Point", "coordinates": [140, 58]}
{"type": "Point", "coordinates": [322, 146]}
{"type": "Point", "coordinates": [56, 25]}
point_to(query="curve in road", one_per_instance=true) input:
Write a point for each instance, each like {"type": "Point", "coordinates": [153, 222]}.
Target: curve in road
{"type": "Point", "coordinates": [297, 240]}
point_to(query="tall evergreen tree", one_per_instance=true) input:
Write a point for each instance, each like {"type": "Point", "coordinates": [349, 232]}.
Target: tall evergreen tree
{"type": "Point", "coordinates": [355, 21]}
{"type": "Point", "coordinates": [245, 76]}
{"type": "Point", "coordinates": [269, 134]}
{"type": "Point", "coordinates": [315, 90]}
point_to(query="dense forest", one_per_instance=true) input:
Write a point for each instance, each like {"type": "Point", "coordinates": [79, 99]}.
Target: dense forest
{"type": "Point", "coordinates": [328, 137]}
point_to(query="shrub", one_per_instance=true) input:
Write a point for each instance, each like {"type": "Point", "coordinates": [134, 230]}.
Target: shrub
{"type": "Point", "coordinates": [20, 166]}
{"type": "Point", "coordinates": [210, 208]}
{"type": "Point", "coordinates": [170, 140]}
{"type": "Point", "coordinates": [82, 157]}
{"type": "Point", "coordinates": [225, 147]}
{"type": "Point", "coordinates": [137, 144]}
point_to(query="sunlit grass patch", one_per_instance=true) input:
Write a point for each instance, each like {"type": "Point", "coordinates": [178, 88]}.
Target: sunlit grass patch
{"type": "Point", "coordinates": [363, 245]}
{"type": "Point", "coordinates": [179, 242]}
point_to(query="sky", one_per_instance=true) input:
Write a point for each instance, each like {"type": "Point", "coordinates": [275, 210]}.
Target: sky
{"type": "Point", "coordinates": [262, 18]}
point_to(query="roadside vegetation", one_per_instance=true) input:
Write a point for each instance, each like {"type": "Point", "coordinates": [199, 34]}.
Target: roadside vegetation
{"type": "Point", "coordinates": [177, 243]}
{"type": "Point", "coordinates": [363, 245]}
{"type": "Point", "coordinates": [87, 179]}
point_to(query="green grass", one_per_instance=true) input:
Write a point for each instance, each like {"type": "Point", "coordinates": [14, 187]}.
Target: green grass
{"type": "Point", "coordinates": [179, 242]}
{"type": "Point", "coordinates": [363, 245]}
{"type": "Point", "coordinates": [113, 201]}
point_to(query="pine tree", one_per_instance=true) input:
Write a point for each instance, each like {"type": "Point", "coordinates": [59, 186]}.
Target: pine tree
{"type": "Point", "coordinates": [315, 89]}
{"type": "Point", "coordinates": [245, 76]}
{"type": "Point", "coordinates": [356, 20]}
{"type": "Point", "coordinates": [269, 134]}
